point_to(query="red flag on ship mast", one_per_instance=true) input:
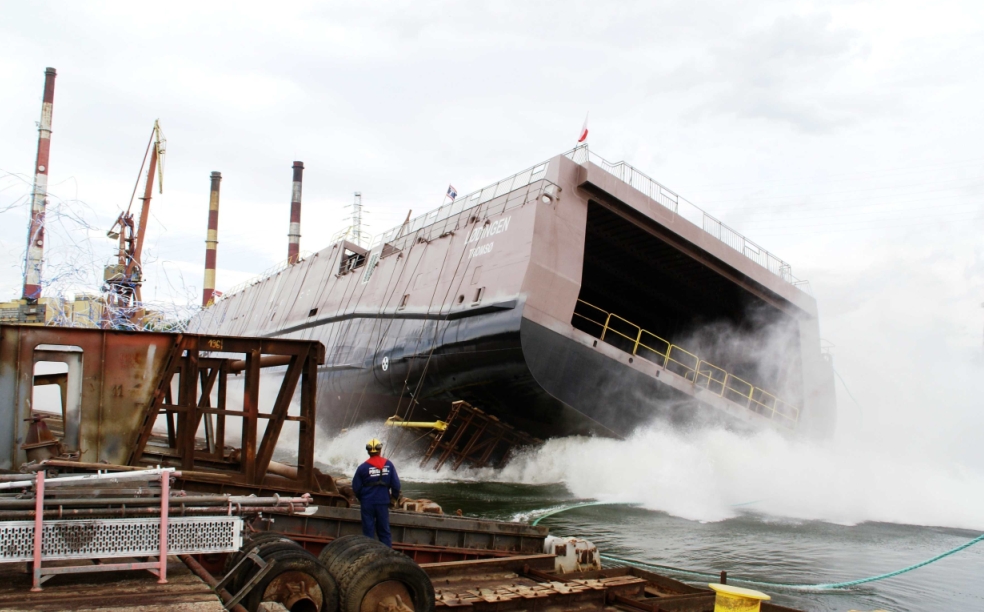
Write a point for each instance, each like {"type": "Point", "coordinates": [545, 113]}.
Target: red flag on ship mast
{"type": "Point", "coordinates": [584, 130]}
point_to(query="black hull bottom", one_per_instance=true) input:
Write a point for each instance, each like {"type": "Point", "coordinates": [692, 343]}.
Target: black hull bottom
{"type": "Point", "coordinates": [534, 379]}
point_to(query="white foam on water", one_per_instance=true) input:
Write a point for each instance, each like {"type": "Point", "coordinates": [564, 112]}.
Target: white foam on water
{"type": "Point", "coordinates": [715, 474]}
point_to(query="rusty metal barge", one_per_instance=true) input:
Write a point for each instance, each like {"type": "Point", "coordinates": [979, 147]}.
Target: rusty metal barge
{"type": "Point", "coordinates": [576, 297]}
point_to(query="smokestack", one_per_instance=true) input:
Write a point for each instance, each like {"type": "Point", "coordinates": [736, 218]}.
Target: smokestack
{"type": "Point", "coordinates": [39, 197]}
{"type": "Point", "coordinates": [294, 235]}
{"type": "Point", "coordinates": [211, 240]}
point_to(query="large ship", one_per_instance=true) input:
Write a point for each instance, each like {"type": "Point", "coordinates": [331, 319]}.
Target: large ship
{"type": "Point", "coordinates": [575, 297]}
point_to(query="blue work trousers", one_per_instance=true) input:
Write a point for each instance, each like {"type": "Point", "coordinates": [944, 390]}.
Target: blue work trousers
{"type": "Point", "coordinates": [376, 521]}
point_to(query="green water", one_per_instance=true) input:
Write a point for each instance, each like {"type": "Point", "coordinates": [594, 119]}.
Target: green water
{"type": "Point", "coordinates": [752, 546]}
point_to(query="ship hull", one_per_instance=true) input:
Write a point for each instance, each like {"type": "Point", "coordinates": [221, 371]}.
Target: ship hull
{"type": "Point", "coordinates": [535, 300]}
{"type": "Point", "coordinates": [537, 380]}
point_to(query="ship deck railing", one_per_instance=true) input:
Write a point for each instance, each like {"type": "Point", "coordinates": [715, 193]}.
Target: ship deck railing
{"type": "Point", "coordinates": [633, 339]}
{"type": "Point", "coordinates": [691, 212]}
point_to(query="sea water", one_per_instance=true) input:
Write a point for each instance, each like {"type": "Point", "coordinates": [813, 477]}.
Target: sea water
{"type": "Point", "coordinates": [763, 507]}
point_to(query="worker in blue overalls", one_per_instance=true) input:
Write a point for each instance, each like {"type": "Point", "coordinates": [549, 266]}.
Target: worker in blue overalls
{"type": "Point", "coordinates": [373, 483]}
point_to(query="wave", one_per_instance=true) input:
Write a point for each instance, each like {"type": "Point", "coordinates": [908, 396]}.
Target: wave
{"type": "Point", "coordinates": [715, 474]}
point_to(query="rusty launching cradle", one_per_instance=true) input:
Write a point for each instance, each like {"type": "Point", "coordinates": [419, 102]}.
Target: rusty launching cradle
{"type": "Point", "coordinates": [134, 399]}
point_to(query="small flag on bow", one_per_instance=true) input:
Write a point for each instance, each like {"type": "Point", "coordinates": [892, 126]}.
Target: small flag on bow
{"type": "Point", "coordinates": [584, 130]}
{"type": "Point", "coordinates": [452, 192]}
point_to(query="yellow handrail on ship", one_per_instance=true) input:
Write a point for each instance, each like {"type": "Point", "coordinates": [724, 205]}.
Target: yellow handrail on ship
{"type": "Point", "coordinates": [702, 373]}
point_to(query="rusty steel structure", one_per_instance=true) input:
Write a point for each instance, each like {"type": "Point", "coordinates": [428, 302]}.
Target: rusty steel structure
{"type": "Point", "coordinates": [426, 538]}
{"type": "Point", "coordinates": [39, 195]}
{"type": "Point", "coordinates": [531, 583]}
{"type": "Point", "coordinates": [294, 233]}
{"type": "Point", "coordinates": [474, 437]}
{"type": "Point", "coordinates": [119, 385]}
{"type": "Point", "coordinates": [211, 240]}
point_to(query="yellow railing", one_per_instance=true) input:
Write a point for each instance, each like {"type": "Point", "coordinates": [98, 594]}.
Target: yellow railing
{"type": "Point", "coordinates": [631, 338]}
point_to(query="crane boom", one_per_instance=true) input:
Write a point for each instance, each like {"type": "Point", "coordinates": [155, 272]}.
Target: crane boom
{"type": "Point", "coordinates": [123, 280]}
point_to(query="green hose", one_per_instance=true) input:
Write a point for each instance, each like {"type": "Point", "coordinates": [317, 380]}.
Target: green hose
{"type": "Point", "coordinates": [827, 586]}
{"type": "Point", "coordinates": [537, 520]}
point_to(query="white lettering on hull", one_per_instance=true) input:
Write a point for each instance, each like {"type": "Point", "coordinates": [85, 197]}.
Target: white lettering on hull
{"type": "Point", "coordinates": [480, 233]}
{"type": "Point", "coordinates": [485, 249]}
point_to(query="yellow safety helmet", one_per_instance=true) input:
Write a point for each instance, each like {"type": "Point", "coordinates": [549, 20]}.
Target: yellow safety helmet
{"type": "Point", "coordinates": [374, 447]}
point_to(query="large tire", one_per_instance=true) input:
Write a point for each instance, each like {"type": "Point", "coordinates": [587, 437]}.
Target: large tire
{"type": "Point", "coordinates": [266, 551]}
{"type": "Point", "coordinates": [298, 581]}
{"type": "Point", "coordinates": [340, 545]}
{"type": "Point", "coordinates": [385, 576]}
{"type": "Point", "coordinates": [250, 542]}
{"type": "Point", "coordinates": [351, 551]}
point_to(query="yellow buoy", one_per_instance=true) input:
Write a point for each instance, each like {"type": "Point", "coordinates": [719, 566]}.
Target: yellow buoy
{"type": "Point", "coordinates": [736, 599]}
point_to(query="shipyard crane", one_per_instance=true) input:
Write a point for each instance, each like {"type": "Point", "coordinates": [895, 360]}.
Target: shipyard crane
{"type": "Point", "coordinates": [123, 279]}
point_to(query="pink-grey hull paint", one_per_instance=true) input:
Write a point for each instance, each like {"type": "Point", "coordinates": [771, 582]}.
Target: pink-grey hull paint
{"type": "Point", "coordinates": [479, 306]}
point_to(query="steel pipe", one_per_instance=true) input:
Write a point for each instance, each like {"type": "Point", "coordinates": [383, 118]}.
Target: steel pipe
{"type": "Point", "coordinates": [67, 513]}
{"type": "Point", "coordinates": [197, 569]}
{"type": "Point", "coordinates": [179, 500]}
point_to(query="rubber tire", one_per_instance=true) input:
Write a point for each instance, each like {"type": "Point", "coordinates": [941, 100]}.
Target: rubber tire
{"type": "Point", "coordinates": [339, 546]}
{"type": "Point", "coordinates": [267, 551]}
{"type": "Point", "coordinates": [358, 579]}
{"type": "Point", "coordinates": [296, 560]}
{"type": "Point", "coordinates": [356, 558]}
{"type": "Point", "coordinates": [348, 552]}
{"type": "Point", "coordinates": [249, 542]}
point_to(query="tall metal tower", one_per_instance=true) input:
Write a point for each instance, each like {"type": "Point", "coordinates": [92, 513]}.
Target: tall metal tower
{"type": "Point", "coordinates": [357, 230]}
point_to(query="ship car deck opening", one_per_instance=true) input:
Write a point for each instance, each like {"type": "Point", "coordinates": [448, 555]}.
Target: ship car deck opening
{"type": "Point", "coordinates": [645, 282]}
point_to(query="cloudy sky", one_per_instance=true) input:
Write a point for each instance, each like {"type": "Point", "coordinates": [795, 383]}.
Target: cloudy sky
{"type": "Point", "coordinates": [842, 136]}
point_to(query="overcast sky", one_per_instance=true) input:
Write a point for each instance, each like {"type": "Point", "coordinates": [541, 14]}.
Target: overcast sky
{"type": "Point", "coordinates": [842, 136]}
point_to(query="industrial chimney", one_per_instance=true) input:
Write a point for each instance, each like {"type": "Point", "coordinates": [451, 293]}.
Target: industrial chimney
{"type": "Point", "coordinates": [294, 234]}
{"type": "Point", "coordinates": [211, 241]}
{"type": "Point", "coordinates": [39, 197]}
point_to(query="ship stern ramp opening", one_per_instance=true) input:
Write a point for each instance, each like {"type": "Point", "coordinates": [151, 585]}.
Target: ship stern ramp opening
{"type": "Point", "coordinates": [669, 322]}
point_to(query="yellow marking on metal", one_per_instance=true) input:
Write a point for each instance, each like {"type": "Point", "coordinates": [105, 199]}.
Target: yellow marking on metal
{"type": "Point", "coordinates": [729, 598]}
{"type": "Point", "coordinates": [395, 421]}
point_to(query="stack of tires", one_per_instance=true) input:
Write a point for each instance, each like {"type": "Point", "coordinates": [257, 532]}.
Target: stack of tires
{"type": "Point", "coordinates": [372, 577]}
{"type": "Point", "coordinates": [352, 574]}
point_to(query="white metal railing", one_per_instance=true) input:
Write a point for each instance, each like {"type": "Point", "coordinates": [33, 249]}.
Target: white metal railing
{"type": "Point", "coordinates": [466, 202]}
{"type": "Point", "coordinates": [581, 154]}
{"type": "Point", "coordinates": [278, 267]}
{"type": "Point", "coordinates": [517, 189]}
{"type": "Point", "coordinates": [689, 211]}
